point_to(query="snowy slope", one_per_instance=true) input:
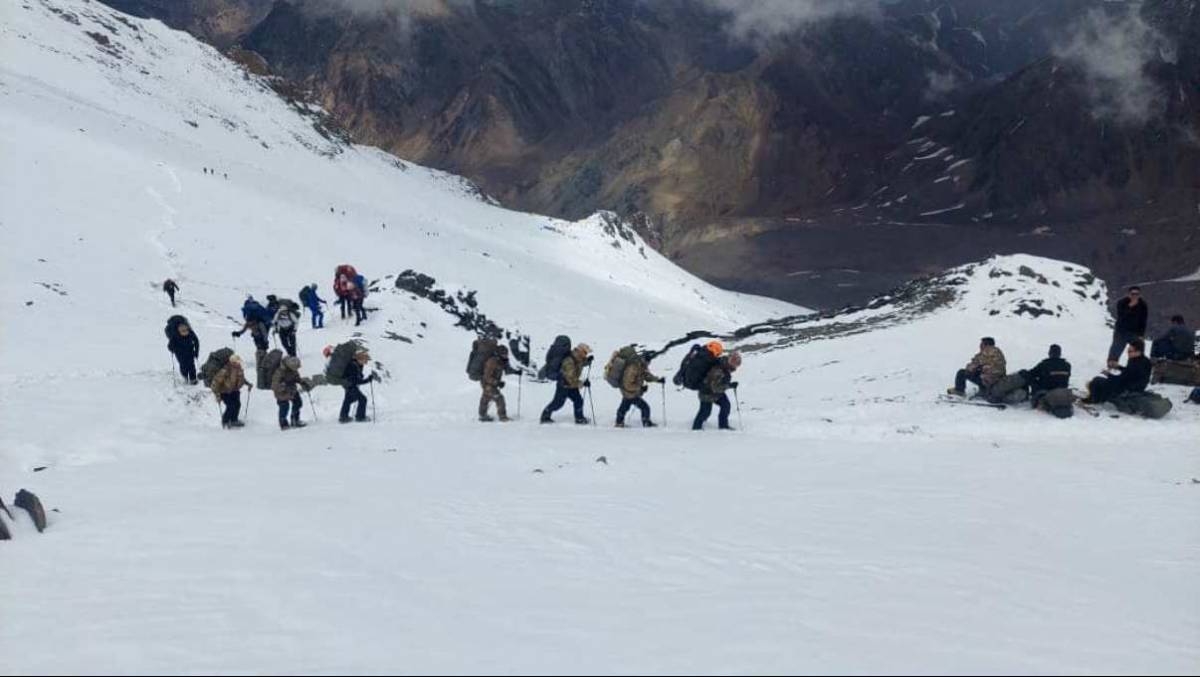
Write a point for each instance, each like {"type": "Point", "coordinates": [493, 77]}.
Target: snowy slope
{"type": "Point", "coordinates": [853, 525]}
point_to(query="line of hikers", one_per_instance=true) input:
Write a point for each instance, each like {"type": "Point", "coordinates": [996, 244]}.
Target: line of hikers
{"type": "Point", "coordinates": [705, 369]}
{"type": "Point", "coordinates": [1047, 385]}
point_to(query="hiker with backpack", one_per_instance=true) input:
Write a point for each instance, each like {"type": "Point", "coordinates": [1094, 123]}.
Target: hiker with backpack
{"type": "Point", "coordinates": [257, 322]}
{"type": "Point", "coordinates": [351, 378]}
{"type": "Point", "coordinates": [567, 370]}
{"type": "Point", "coordinates": [492, 382]}
{"type": "Point", "coordinates": [1051, 373]}
{"type": "Point", "coordinates": [343, 286]}
{"type": "Point", "coordinates": [286, 384]}
{"type": "Point", "coordinates": [170, 288]}
{"type": "Point", "coordinates": [629, 371]}
{"type": "Point", "coordinates": [227, 386]}
{"type": "Point", "coordinates": [1132, 378]}
{"type": "Point", "coordinates": [1131, 324]}
{"type": "Point", "coordinates": [309, 297]}
{"type": "Point", "coordinates": [285, 321]}
{"type": "Point", "coordinates": [1178, 343]}
{"type": "Point", "coordinates": [183, 343]}
{"type": "Point", "coordinates": [357, 295]}
{"type": "Point", "coordinates": [984, 370]}
{"type": "Point", "coordinates": [712, 390]}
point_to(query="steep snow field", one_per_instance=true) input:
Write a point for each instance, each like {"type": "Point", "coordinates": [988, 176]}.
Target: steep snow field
{"type": "Point", "coordinates": [852, 525]}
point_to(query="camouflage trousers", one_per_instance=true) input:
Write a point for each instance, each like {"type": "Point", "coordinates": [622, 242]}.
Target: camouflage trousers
{"type": "Point", "coordinates": [492, 395]}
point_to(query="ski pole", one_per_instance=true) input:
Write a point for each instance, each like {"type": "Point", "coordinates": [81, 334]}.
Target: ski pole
{"type": "Point", "coordinates": [738, 400]}
{"type": "Point", "coordinates": [220, 412]}
{"type": "Point", "coordinates": [591, 404]}
{"type": "Point", "coordinates": [664, 399]}
{"type": "Point", "coordinates": [249, 389]}
{"type": "Point", "coordinates": [520, 377]}
{"type": "Point", "coordinates": [174, 380]}
{"type": "Point", "coordinates": [374, 414]}
{"type": "Point", "coordinates": [311, 406]}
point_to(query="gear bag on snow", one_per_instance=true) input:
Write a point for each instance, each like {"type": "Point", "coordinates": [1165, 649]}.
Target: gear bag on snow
{"type": "Point", "coordinates": [1145, 404]}
{"type": "Point", "coordinates": [1011, 389]}
{"type": "Point", "coordinates": [216, 361]}
{"type": "Point", "coordinates": [1177, 372]}
{"type": "Point", "coordinates": [694, 367]}
{"type": "Point", "coordinates": [267, 367]}
{"type": "Point", "coordinates": [614, 371]}
{"type": "Point", "coordinates": [172, 328]}
{"type": "Point", "coordinates": [1060, 402]}
{"type": "Point", "coordinates": [555, 354]}
{"type": "Point", "coordinates": [481, 350]}
{"type": "Point", "coordinates": [335, 370]}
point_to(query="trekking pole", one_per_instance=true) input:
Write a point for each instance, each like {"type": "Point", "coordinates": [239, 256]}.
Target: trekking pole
{"type": "Point", "coordinates": [738, 400]}
{"type": "Point", "coordinates": [664, 399]}
{"type": "Point", "coordinates": [311, 406]}
{"type": "Point", "coordinates": [374, 414]}
{"type": "Point", "coordinates": [520, 377]}
{"type": "Point", "coordinates": [174, 380]}
{"type": "Point", "coordinates": [220, 412]}
{"type": "Point", "coordinates": [591, 404]}
{"type": "Point", "coordinates": [248, 391]}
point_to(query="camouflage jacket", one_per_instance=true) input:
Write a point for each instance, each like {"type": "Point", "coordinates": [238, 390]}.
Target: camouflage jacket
{"type": "Point", "coordinates": [493, 372]}
{"type": "Point", "coordinates": [571, 372]}
{"type": "Point", "coordinates": [286, 383]}
{"type": "Point", "coordinates": [229, 379]}
{"type": "Point", "coordinates": [716, 382]}
{"type": "Point", "coordinates": [637, 375]}
{"type": "Point", "coordinates": [991, 365]}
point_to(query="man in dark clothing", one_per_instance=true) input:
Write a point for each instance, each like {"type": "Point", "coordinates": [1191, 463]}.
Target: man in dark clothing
{"type": "Point", "coordinates": [185, 346]}
{"type": "Point", "coordinates": [570, 380]}
{"type": "Point", "coordinates": [1179, 343]}
{"type": "Point", "coordinates": [1132, 378]}
{"type": "Point", "coordinates": [1131, 323]}
{"type": "Point", "coordinates": [353, 379]}
{"type": "Point", "coordinates": [170, 287]}
{"type": "Point", "coordinates": [712, 391]}
{"type": "Point", "coordinates": [1050, 374]}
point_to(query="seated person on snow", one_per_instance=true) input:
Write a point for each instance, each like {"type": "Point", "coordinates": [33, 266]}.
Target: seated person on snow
{"type": "Point", "coordinates": [984, 370]}
{"type": "Point", "coordinates": [1132, 378]}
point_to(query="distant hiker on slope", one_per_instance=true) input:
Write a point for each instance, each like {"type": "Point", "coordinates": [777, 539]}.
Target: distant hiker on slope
{"type": "Point", "coordinates": [358, 294]}
{"type": "Point", "coordinates": [712, 391]}
{"type": "Point", "coordinates": [170, 287]}
{"type": "Point", "coordinates": [1132, 378]}
{"type": "Point", "coordinates": [570, 380]}
{"type": "Point", "coordinates": [492, 383]}
{"type": "Point", "coordinates": [285, 322]}
{"type": "Point", "coordinates": [1179, 343]}
{"type": "Point", "coordinates": [630, 371]}
{"type": "Point", "coordinates": [258, 322]}
{"type": "Point", "coordinates": [1131, 323]}
{"type": "Point", "coordinates": [984, 370]}
{"type": "Point", "coordinates": [184, 345]}
{"type": "Point", "coordinates": [1050, 374]}
{"type": "Point", "coordinates": [343, 286]}
{"type": "Point", "coordinates": [309, 297]}
{"type": "Point", "coordinates": [286, 384]}
{"type": "Point", "coordinates": [353, 378]}
{"type": "Point", "coordinates": [227, 386]}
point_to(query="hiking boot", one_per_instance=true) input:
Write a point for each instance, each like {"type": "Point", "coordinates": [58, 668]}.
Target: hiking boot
{"type": "Point", "coordinates": [619, 424]}
{"type": "Point", "coordinates": [486, 419]}
{"type": "Point", "coordinates": [955, 392]}
{"type": "Point", "coordinates": [545, 420]}
{"type": "Point", "coordinates": [727, 427]}
{"type": "Point", "coordinates": [649, 424]}
{"type": "Point", "coordinates": [345, 419]}
{"type": "Point", "coordinates": [236, 424]}
{"type": "Point", "coordinates": [505, 419]}
{"type": "Point", "coordinates": [581, 420]}
{"type": "Point", "coordinates": [364, 419]}
{"type": "Point", "coordinates": [283, 425]}
{"type": "Point", "coordinates": [297, 423]}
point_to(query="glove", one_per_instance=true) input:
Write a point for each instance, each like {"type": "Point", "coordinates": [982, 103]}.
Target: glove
{"type": "Point", "coordinates": [587, 383]}
{"type": "Point", "coordinates": [234, 334]}
{"type": "Point", "coordinates": [734, 385]}
{"type": "Point", "coordinates": [590, 359]}
{"type": "Point", "coordinates": [376, 378]}
{"type": "Point", "coordinates": [249, 386]}
{"type": "Point", "coordinates": [644, 389]}
{"type": "Point", "coordinates": [500, 384]}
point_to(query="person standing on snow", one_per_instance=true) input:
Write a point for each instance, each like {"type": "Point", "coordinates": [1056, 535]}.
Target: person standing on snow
{"type": "Point", "coordinates": [633, 386]}
{"type": "Point", "coordinates": [227, 385]}
{"type": "Point", "coordinates": [286, 385]}
{"type": "Point", "coordinates": [170, 288]}
{"type": "Point", "coordinates": [1131, 324]}
{"type": "Point", "coordinates": [286, 319]}
{"type": "Point", "coordinates": [570, 380]}
{"type": "Point", "coordinates": [353, 377]}
{"type": "Point", "coordinates": [492, 383]}
{"type": "Point", "coordinates": [314, 303]}
{"type": "Point", "coordinates": [712, 391]}
{"type": "Point", "coordinates": [185, 346]}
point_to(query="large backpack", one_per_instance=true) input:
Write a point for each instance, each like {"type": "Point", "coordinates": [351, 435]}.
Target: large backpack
{"type": "Point", "coordinates": [172, 328]}
{"type": "Point", "coordinates": [694, 367]}
{"type": "Point", "coordinates": [1011, 389]}
{"type": "Point", "coordinates": [1144, 404]}
{"type": "Point", "coordinates": [1060, 402]}
{"type": "Point", "coordinates": [555, 354]}
{"type": "Point", "coordinates": [255, 311]}
{"type": "Point", "coordinates": [614, 371]}
{"type": "Point", "coordinates": [216, 361]}
{"type": "Point", "coordinates": [347, 272]}
{"type": "Point", "coordinates": [305, 296]}
{"type": "Point", "coordinates": [361, 283]}
{"type": "Point", "coordinates": [1177, 372]}
{"type": "Point", "coordinates": [335, 370]}
{"type": "Point", "coordinates": [481, 350]}
{"type": "Point", "coordinates": [267, 368]}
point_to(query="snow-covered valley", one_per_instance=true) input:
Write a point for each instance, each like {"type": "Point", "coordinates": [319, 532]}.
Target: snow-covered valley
{"type": "Point", "coordinates": [852, 524]}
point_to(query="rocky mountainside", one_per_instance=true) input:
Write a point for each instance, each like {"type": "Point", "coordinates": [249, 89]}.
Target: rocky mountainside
{"type": "Point", "coordinates": [752, 147]}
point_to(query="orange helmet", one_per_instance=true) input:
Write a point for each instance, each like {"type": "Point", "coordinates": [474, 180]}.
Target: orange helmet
{"type": "Point", "coordinates": [715, 348]}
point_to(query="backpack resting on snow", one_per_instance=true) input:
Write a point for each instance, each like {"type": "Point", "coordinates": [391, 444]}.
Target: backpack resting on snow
{"type": "Point", "coordinates": [267, 367]}
{"type": "Point", "coordinates": [1012, 389]}
{"type": "Point", "coordinates": [555, 355]}
{"type": "Point", "coordinates": [1145, 404]}
{"type": "Point", "coordinates": [694, 367]}
{"type": "Point", "coordinates": [481, 350]}
{"type": "Point", "coordinates": [1177, 372]}
{"type": "Point", "coordinates": [335, 370]}
{"type": "Point", "coordinates": [216, 361]}
{"type": "Point", "coordinates": [614, 371]}
{"type": "Point", "coordinates": [1060, 402]}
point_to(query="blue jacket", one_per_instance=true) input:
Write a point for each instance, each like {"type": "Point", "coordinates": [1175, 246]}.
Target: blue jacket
{"type": "Point", "coordinates": [314, 301]}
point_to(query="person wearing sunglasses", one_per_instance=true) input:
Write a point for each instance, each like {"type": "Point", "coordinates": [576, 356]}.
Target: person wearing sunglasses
{"type": "Point", "coordinates": [1131, 324]}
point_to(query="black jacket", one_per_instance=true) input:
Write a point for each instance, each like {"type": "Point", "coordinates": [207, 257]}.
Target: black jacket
{"type": "Point", "coordinates": [1131, 319]}
{"type": "Point", "coordinates": [1182, 340]}
{"type": "Point", "coordinates": [354, 374]}
{"type": "Point", "coordinates": [185, 347]}
{"type": "Point", "coordinates": [1135, 376]}
{"type": "Point", "coordinates": [1050, 373]}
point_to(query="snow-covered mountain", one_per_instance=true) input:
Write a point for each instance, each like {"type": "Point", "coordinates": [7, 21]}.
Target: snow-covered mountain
{"type": "Point", "coordinates": [854, 524]}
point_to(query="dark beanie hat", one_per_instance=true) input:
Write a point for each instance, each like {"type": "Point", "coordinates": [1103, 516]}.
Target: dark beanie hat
{"type": "Point", "coordinates": [1055, 350]}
